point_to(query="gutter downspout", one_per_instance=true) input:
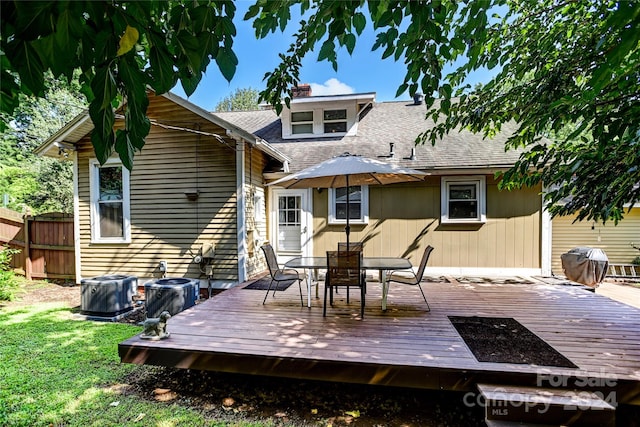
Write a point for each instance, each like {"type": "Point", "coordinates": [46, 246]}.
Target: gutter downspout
{"type": "Point", "coordinates": [76, 219]}
{"type": "Point", "coordinates": [546, 240]}
{"type": "Point", "coordinates": [241, 211]}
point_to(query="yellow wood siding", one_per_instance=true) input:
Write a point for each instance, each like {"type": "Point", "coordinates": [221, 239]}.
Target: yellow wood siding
{"type": "Point", "coordinates": [405, 218]}
{"type": "Point", "coordinates": [256, 216]}
{"type": "Point", "coordinates": [614, 240]}
{"type": "Point", "coordinates": [165, 225]}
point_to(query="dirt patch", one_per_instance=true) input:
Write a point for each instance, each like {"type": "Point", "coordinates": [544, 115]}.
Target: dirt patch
{"type": "Point", "coordinates": [281, 401]}
{"type": "Point", "coordinates": [37, 292]}
{"type": "Point", "coordinates": [505, 340]}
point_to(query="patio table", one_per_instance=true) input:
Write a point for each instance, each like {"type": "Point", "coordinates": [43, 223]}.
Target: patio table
{"type": "Point", "coordinates": [382, 264]}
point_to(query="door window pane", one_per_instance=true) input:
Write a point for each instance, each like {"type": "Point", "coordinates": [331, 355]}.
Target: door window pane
{"type": "Point", "coordinates": [289, 227]}
{"type": "Point", "coordinates": [289, 210]}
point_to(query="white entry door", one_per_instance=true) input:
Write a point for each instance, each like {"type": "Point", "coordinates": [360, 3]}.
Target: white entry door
{"type": "Point", "coordinates": [291, 223]}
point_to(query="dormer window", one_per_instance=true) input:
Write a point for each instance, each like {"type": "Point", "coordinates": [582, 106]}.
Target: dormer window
{"type": "Point", "coordinates": [330, 116]}
{"type": "Point", "coordinates": [335, 121]}
{"type": "Point", "coordinates": [302, 122]}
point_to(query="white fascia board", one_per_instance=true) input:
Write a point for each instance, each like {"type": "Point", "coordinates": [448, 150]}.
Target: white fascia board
{"type": "Point", "coordinates": [368, 96]}
{"type": "Point", "coordinates": [60, 137]}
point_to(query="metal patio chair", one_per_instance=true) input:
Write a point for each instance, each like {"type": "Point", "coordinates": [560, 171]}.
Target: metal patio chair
{"type": "Point", "coordinates": [280, 274]}
{"type": "Point", "coordinates": [411, 278]}
{"type": "Point", "coordinates": [353, 246]}
{"type": "Point", "coordinates": [343, 270]}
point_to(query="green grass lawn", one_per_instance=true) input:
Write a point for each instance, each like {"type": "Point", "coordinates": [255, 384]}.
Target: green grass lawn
{"type": "Point", "coordinates": [55, 370]}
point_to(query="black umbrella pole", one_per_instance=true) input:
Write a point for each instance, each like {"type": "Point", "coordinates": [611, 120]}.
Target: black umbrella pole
{"type": "Point", "coordinates": [347, 228]}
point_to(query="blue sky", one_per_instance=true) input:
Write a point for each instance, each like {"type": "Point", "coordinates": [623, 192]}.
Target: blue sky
{"type": "Point", "coordinates": [364, 71]}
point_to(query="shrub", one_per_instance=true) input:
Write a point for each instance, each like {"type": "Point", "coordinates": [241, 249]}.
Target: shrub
{"type": "Point", "coordinates": [8, 281]}
{"type": "Point", "coordinates": [636, 260]}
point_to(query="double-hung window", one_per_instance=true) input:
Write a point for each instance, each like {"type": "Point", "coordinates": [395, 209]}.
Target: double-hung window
{"type": "Point", "coordinates": [358, 205]}
{"type": "Point", "coordinates": [335, 121]}
{"type": "Point", "coordinates": [463, 199]}
{"type": "Point", "coordinates": [302, 122]}
{"type": "Point", "coordinates": [110, 210]}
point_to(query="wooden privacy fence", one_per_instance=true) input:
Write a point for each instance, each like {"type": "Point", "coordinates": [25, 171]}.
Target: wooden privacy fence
{"type": "Point", "coordinates": [45, 243]}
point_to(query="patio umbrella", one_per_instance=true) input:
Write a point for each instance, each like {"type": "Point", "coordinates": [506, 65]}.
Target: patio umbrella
{"type": "Point", "coordinates": [346, 170]}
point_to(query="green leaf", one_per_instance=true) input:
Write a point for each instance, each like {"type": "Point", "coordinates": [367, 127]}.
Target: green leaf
{"type": "Point", "coordinates": [402, 89]}
{"type": "Point", "coordinates": [445, 106]}
{"type": "Point", "coordinates": [67, 39]}
{"type": "Point", "coordinates": [48, 53]}
{"type": "Point", "coordinates": [9, 90]}
{"type": "Point", "coordinates": [138, 131]}
{"type": "Point", "coordinates": [208, 46]}
{"type": "Point", "coordinates": [227, 62]}
{"type": "Point", "coordinates": [135, 84]}
{"type": "Point", "coordinates": [124, 148]}
{"type": "Point", "coordinates": [327, 51]}
{"type": "Point", "coordinates": [163, 78]}
{"type": "Point", "coordinates": [381, 39]}
{"type": "Point", "coordinates": [34, 19]}
{"type": "Point", "coordinates": [189, 50]}
{"type": "Point", "coordinates": [457, 44]}
{"type": "Point", "coordinates": [190, 83]}
{"type": "Point", "coordinates": [445, 90]}
{"type": "Point", "coordinates": [252, 12]}
{"type": "Point", "coordinates": [102, 137]}
{"type": "Point", "coordinates": [203, 18]}
{"type": "Point", "coordinates": [350, 42]}
{"type": "Point", "coordinates": [27, 63]}
{"type": "Point", "coordinates": [103, 86]}
{"type": "Point", "coordinates": [359, 22]}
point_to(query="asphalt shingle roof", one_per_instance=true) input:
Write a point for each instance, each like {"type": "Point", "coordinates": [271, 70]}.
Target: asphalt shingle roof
{"type": "Point", "coordinates": [387, 122]}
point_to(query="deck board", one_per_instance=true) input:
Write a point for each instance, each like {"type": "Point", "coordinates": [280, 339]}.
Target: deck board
{"type": "Point", "coordinates": [404, 346]}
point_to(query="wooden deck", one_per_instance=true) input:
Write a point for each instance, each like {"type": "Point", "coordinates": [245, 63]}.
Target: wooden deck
{"type": "Point", "coordinates": [406, 345]}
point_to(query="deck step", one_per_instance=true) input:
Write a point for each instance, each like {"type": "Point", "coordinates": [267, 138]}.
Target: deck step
{"type": "Point", "coordinates": [515, 406]}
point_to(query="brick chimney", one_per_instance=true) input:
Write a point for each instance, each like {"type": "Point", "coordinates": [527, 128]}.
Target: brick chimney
{"type": "Point", "coordinates": [301, 91]}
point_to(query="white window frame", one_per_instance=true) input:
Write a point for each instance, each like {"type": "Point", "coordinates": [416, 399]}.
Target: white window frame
{"type": "Point", "coordinates": [364, 207]}
{"type": "Point", "coordinates": [304, 122]}
{"type": "Point", "coordinates": [94, 167]}
{"type": "Point", "coordinates": [481, 194]}
{"type": "Point", "coordinates": [345, 121]}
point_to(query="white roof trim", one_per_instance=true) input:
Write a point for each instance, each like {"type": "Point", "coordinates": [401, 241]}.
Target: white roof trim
{"type": "Point", "coordinates": [52, 144]}
{"type": "Point", "coordinates": [368, 96]}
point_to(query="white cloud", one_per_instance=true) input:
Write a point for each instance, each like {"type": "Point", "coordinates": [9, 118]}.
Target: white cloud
{"type": "Point", "coordinates": [332, 86]}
